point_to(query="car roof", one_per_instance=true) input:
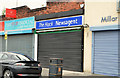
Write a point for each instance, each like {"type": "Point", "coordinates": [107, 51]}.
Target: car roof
{"type": "Point", "coordinates": [16, 53]}
{"type": "Point", "coordinates": [12, 53]}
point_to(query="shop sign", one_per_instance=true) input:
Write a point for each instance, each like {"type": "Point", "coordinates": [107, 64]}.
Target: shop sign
{"type": "Point", "coordinates": [62, 22]}
{"type": "Point", "coordinates": [10, 13]}
{"type": "Point", "coordinates": [19, 25]}
{"type": "Point", "coordinates": [109, 19]}
{"type": "Point", "coordinates": [1, 28]}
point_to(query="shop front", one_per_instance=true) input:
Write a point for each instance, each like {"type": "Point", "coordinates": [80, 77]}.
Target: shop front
{"type": "Point", "coordinates": [19, 36]}
{"type": "Point", "coordinates": [61, 38]}
{"type": "Point", "coordinates": [105, 50]}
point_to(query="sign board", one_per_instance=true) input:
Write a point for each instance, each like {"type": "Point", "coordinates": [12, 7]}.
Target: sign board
{"type": "Point", "coordinates": [1, 28]}
{"type": "Point", "coordinates": [23, 25]}
{"type": "Point", "coordinates": [10, 13]}
{"type": "Point", "coordinates": [62, 22]}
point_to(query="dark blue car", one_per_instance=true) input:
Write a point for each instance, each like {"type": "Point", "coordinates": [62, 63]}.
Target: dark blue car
{"type": "Point", "coordinates": [18, 65]}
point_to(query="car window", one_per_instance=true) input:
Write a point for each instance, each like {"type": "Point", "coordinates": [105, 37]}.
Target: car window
{"type": "Point", "coordinates": [24, 58]}
{"type": "Point", "coordinates": [1, 55]}
{"type": "Point", "coordinates": [4, 57]}
{"type": "Point", "coordinates": [15, 57]}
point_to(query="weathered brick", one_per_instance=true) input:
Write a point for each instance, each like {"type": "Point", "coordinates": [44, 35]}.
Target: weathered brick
{"type": "Point", "coordinates": [52, 7]}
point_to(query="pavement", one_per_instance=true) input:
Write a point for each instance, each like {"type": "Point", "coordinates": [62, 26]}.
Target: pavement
{"type": "Point", "coordinates": [45, 72]}
{"type": "Point", "coordinates": [73, 74]}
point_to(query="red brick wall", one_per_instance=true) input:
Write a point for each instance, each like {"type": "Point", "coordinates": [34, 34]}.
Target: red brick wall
{"type": "Point", "coordinates": [52, 7]}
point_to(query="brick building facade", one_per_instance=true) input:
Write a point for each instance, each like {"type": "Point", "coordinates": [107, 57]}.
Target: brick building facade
{"type": "Point", "coordinates": [52, 7]}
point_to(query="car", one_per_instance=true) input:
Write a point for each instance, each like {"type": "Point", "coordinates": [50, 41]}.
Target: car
{"type": "Point", "coordinates": [14, 65]}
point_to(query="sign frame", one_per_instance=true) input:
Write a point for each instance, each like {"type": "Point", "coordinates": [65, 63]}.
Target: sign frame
{"type": "Point", "coordinates": [61, 23]}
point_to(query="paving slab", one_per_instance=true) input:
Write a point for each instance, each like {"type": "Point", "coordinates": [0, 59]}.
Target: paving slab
{"type": "Point", "coordinates": [45, 72]}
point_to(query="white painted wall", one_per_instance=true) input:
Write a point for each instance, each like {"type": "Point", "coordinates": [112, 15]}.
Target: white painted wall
{"type": "Point", "coordinates": [32, 4]}
{"type": "Point", "coordinates": [94, 11]}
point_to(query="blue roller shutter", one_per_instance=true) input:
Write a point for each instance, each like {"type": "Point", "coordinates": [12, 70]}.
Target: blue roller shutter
{"type": "Point", "coordinates": [105, 52]}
